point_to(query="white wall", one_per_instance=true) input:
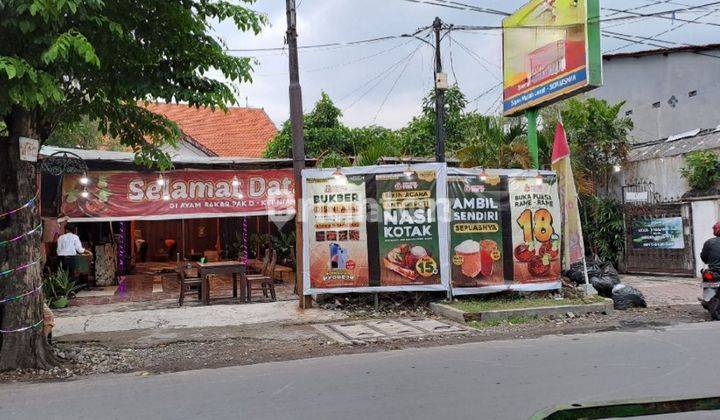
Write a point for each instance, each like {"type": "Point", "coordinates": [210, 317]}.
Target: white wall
{"type": "Point", "coordinates": [642, 81]}
{"type": "Point", "coordinates": [704, 215]}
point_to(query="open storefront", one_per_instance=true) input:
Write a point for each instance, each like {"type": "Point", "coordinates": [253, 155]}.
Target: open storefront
{"type": "Point", "coordinates": [140, 224]}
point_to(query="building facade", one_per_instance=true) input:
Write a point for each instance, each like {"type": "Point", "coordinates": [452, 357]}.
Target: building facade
{"type": "Point", "coordinates": [667, 92]}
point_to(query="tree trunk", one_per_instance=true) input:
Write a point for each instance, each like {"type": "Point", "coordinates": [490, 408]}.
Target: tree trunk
{"type": "Point", "coordinates": [18, 184]}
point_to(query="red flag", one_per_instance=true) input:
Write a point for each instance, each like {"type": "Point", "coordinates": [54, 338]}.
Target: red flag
{"type": "Point", "coordinates": [560, 145]}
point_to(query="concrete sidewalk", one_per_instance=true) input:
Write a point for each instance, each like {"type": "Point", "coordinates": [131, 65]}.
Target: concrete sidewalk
{"type": "Point", "coordinates": [192, 317]}
{"type": "Point", "coordinates": [664, 291]}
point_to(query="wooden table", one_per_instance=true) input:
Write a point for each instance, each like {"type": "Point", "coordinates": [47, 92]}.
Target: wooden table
{"type": "Point", "coordinates": [234, 268]}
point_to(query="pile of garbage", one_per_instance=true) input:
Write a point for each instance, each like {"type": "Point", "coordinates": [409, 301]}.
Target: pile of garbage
{"type": "Point", "coordinates": [605, 279]}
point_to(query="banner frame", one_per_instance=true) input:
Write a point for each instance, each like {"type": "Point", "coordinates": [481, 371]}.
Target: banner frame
{"type": "Point", "coordinates": [525, 287]}
{"type": "Point", "coordinates": [441, 195]}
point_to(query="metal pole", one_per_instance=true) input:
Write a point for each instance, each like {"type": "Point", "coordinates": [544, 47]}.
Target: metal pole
{"type": "Point", "coordinates": [531, 115]}
{"type": "Point", "coordinates": [439, 98]}
{"type": "Point", "coordinates": [298, 144]}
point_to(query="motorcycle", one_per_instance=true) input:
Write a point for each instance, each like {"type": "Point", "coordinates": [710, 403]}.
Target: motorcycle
{"type": "Point", "coordinates": [710, 293]}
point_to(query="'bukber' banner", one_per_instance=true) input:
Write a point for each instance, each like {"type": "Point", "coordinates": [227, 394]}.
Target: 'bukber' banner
{"type": "Point", "coordinates": [122, 195]}
{"type": "Point", "coordinates": [536, 228]}
{"type": "Point", "coordinates": [338, 235]}
{"type": "Point", "coordinates": [408, 229]}
{"type": "Point", "coordinates": [476, 229]}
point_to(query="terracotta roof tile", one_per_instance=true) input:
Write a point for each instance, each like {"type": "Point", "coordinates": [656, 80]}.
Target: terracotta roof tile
{"type": "Point", "coordinates": [243, 132]}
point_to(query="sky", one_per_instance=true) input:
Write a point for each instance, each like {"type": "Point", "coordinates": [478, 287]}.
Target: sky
{"type": "Point", "coordinates": [383, 83]}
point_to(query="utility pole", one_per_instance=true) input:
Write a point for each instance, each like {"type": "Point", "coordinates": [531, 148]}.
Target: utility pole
{"type": "Point", "coordinates": [440, 87]}
{"type": "Point", "coordinates": [298, 145]}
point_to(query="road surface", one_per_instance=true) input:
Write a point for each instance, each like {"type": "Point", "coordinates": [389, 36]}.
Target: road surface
{"type": "Point", "coordinates": [492, 380]}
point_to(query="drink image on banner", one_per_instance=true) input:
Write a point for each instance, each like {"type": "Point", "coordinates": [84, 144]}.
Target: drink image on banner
{"type": "Point", "coordinates": [338, 237]}
{"type": "Point", "coordinates": [476, 236]}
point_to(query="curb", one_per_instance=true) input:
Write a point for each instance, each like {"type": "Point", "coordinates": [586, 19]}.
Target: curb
{"type": "Point", "coordinates": [458, 315]}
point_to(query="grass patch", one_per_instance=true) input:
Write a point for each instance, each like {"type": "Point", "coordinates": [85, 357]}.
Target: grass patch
{"type": "Point", "coordinates": [513, 320]}
{"type": "Point", "coordinates": [483, 305]}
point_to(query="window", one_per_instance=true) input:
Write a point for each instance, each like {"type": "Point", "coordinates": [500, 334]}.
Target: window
{"type": "Point", "coordinates": [656, 105]}
{"type": "Point", "coordinates": [692, 93]}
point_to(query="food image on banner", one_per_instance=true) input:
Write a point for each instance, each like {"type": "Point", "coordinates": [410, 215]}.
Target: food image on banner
{"type": "Point", "coordinates": [338, 234]}
{"type": "Point", "coordinates": [407, 229]}
{"type": "Point", "coordinates": [535, 214]}
{"type": "Point", "coordinates": [476, 235]}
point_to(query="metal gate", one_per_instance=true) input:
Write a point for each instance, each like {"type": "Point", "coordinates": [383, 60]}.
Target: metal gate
{"type": "Point", "coordinates": [659, 238]}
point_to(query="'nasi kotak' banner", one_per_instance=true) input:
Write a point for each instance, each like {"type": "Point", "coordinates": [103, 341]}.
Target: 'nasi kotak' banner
{"type": "Point", "coordinates": [384, 228]}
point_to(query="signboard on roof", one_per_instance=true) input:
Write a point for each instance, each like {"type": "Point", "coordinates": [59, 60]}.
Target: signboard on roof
{"type": "Point", "coordinates": [551, 50]}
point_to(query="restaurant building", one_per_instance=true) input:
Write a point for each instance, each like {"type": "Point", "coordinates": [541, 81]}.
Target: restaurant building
{"type": "Point", "coordinates": [140, 223]}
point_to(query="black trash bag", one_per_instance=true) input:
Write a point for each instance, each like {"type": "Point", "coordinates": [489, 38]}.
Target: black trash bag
{"type": "Point", "coordinates": [603, 285]}
{"type": "Point", "coordinates": [625, 297]}
{"type": "Point", "coordinates": [575, 274]}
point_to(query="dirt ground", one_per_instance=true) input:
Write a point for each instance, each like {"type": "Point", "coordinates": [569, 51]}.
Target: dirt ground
{"type": "Point", "coordinates": [152, 352]}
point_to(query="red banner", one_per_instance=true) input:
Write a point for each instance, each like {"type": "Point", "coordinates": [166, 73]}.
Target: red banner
{"type": "Point", "coordinates": [116, 195]}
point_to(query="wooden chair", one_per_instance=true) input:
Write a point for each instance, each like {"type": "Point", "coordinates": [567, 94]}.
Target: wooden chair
{"type": "Point", "coordinates": [188, 282]}
{"type": "Point", "coordinates": [211, 256]}
{"type": "Point", "coordinates": [265, 263]}
{"type": "Point", "coordinates": [265, 280]}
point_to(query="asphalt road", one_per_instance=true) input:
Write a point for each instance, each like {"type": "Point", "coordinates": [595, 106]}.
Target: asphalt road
{"type": "Point", "coordinates": [501, 379]}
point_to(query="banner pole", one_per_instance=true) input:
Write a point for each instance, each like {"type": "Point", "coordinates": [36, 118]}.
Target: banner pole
{"type": "Point", "coordinates": [532, 140]}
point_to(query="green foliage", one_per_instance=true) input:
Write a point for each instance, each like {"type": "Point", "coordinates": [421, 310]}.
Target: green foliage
{"type": "Point", "coordinates": [598, 135]}
{"type": "Point", "coordinates": [84, 134]}
{"type": "Point", "coordinates": [418, 137]}
{"type": "Point", "coordinates": [59, 287]}
{"type": "Point", "coordinates": [333, 159]}
{"type": "Point", "coordinates": [65, 61]}
{"type": "Point", "coordinates": [258, 242]}
{"type": "Point", "coordinates": [605, 228]}
{"type": "Point", "coordinates": [323, 132]}
{"type": "Point", "coordinates": [701, 170]}
{"type": "Point", "coordinates": [283, 244]}
{"type": "Point", "coordinates": [494, 142]}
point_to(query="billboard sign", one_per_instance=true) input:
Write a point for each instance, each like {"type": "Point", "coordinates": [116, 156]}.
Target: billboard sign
{"type": "Point", "coordinates": [182, 194]}
{"type": "Point", "coordinates": [375, 229]}
{"type": "Point", "coordinates": [660, 233]}
{"type": "Point", "coordinates": [551, 50]}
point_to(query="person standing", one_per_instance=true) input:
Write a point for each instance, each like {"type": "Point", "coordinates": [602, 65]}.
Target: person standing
{"type": "Point", "coordinates": [68, 247]}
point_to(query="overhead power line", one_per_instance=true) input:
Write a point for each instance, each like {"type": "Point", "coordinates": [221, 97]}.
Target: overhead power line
{"type": "Point", "coordinates": [673, 18]}
{"type": "Point", "coordinates": [660, 15]}
{"type": "Point", "coordinates": [332, 44]}
{"type": "Point", "coordinates": [459, 6]}
{"type": "Point", "coordinates": [654, 37]}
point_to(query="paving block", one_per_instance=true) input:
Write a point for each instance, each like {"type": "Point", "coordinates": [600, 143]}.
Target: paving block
{"type": "Point", "coordinates": [357, 331]}
{"type": "Point", "coordinates": [432, 326]}
{"type": "Point", "coordinates": [394, 329]}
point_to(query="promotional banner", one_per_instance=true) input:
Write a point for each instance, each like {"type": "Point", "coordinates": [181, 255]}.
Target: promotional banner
{"type": "Point", "coordinates": [476, 229]}
{"type": "Point", "coordinates": [338, 235]}
{"type": "Point", "coordinates": [573, 246]}
{"type": "Point", "coordinates": [551, 50]}
{"type": "Point", "coordinates": [536, 228]}
{"type": "Point", "coordinates": [661, 233]}
{"type": "Point", "coordinates": [409, 244]}
{"type": "Point", "coordinates": [397, 229]}
{"type": "Point", "coordinates": [122, 195]}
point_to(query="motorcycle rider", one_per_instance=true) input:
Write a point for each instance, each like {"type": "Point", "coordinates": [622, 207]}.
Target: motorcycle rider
{"type": "Point", "coordinates": [710, 254]}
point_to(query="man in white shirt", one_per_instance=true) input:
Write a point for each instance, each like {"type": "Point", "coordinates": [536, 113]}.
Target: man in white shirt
{"type": "Point", "coordinates": [68, 246]}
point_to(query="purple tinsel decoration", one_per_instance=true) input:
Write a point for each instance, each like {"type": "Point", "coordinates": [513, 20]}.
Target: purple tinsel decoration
{"type": "Point", "coordinates": [245, 240]}
{"type": "Point", "coordinates": [122, 253]}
